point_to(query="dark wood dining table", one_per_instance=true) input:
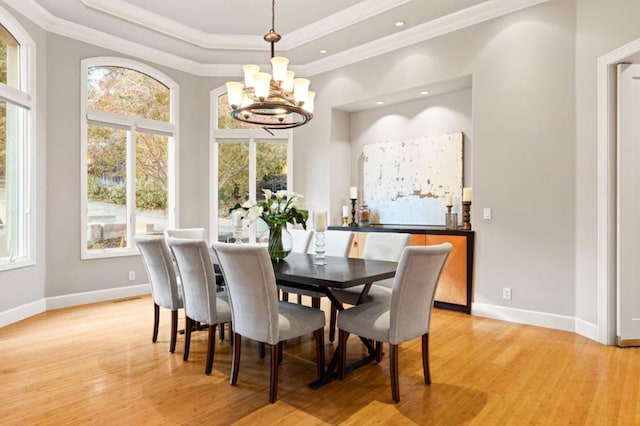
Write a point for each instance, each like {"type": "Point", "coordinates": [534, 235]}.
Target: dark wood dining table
{"type": "Point", "coordinates": [299, 270]}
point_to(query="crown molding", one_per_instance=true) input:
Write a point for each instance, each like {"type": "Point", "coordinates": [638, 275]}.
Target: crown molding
{"type": "Point", "coordinates": [428, 30]}
{"type": "Point", "coordinates": [464, 18]}
{"type": "Point", "coordinates": [171, 28]}
{"type": "Point", "coordinates": [174, 29]}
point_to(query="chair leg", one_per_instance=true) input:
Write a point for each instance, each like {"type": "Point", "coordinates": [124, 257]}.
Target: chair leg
{"type": "Point", "coordinates": [299, 299]}
{"type": "Point", "coordinates": [261, 351]}
{"type": "Point", "coordinates": [285, 296]}
{"type": "Point", "coordinates": [332, 324]}
{"type": "Point", "coordinates": [273, 382]}
{"type": "Point", "coordinates": [174, 330]}
{"type": "Point", "coordinates": [393, 372]}
{"type": "Point", "coordinates": [235, 365]}
{"type": "Point", "coordinates": [379, 347]}
{"type": "Point", "coordinates": [222, 332]}
{"type": "Point", "coordinates": [425, 359]}
{"type": "Point", "coordinates": [280, 350]}
{"type": "Point", "coordinates": [320, 351]}
{"type": "Point", "coordinates": [156, 321]}
{"type": "Point", "coordinates": [211, 348]}
{"type": "Point", "coordinates": [342, 352]}
{"type": "Point", "coordinates": [315, 302]}
{"type": "Point", "coordinates": [187, 337]}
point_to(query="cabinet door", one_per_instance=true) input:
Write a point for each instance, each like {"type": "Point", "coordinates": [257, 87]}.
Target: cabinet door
{"type": "Point", "coordinates": [453, 281]}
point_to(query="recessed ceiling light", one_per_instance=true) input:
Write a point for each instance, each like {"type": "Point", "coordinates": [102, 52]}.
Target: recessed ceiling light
{"type": "Point", "coordinates": [399, 23]}
{"type": "Point", "coordinates": [323, 51]}
{"type": "Point", "coordinates": [425, 92]}
{"type": "Point", "coordinates": [380, 102]}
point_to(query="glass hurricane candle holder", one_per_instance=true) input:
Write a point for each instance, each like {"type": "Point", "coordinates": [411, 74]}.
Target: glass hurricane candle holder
{"type": "Point", "coordinates": [320, 248]}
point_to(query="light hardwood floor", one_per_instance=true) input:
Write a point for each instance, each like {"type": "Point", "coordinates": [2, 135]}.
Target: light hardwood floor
{"type": "Point", "coordinates": [96, 364]}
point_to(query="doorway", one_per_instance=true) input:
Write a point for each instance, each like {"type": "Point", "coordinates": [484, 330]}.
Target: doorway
{"type": "Point", "coordinates": [607, 261]}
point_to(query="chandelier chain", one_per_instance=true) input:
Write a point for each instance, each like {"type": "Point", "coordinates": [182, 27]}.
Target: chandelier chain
{"type": "Point", "coordinates": [273, 15]}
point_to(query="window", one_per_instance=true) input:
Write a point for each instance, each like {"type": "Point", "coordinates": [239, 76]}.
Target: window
{"type": "Point", "coordinates": [245, 160]}
{"type": "Point", "coordinates": [129, 166]}
{"type": "Point", "coordinates": [17, 101]}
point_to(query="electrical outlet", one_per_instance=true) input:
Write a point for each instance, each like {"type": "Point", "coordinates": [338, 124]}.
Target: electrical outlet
{"type": "Point", "coordinates": [487, 213]}
{"type": "Point", "coordinates": [132, 275]}
{"type": "Point", "coordinates": [506, 293]}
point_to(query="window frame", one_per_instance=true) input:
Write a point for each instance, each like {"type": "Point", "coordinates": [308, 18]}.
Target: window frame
{"type": "Point", "coordinates": [132, 125]}
{"type": "Point", "coordinates": [25, 98]}
{"type": "Point", "coordinates": [252, 136]}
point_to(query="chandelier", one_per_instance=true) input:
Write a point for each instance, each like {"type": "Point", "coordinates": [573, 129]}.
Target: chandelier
{"type": "Point", "coordinates": [273, 101]}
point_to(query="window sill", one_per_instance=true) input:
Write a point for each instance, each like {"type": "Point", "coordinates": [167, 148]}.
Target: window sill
{"type": "Point", "coordinates": [5, 265]}
{"type": "Point", "coordinates": [107, 253]}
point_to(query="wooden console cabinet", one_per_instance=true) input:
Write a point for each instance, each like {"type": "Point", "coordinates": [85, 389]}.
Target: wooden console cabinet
{"type": "Point", "coordinates": [456, 283]}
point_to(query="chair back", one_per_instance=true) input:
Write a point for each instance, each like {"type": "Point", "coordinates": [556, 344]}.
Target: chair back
{"type": "Point", "coordinates": [253, 295]}
{"type": "Point", "coordinates": [190, 233]}
{"type": "Point", "coordinates": [337, 243]}
{"type": "Point", "coordinates": [198, 280]}
{"type": "Point", "coordinates": [301, 239]}
{"type": "Point", "coordinates": [414, 289]}
{"type": "Point", "coordinates": [160, 270]}
{"type": "Point", "coordinates": [385, 245]}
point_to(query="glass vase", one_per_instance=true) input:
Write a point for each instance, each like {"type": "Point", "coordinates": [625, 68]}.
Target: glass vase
{"type": "Point", "coordinates": [280, 242]}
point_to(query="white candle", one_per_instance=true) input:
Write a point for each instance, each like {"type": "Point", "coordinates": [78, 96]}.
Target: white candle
{"type": "Point", "coordinates": [320, 222]}
{"type": "Point", "coordinates": [467, 194]}
{"type": "Point", "coordinates": [449, 200]}
{"type": "Point", "coordinates": [353, 192]}
{"type": "Point", "coordinates": [345, 211]}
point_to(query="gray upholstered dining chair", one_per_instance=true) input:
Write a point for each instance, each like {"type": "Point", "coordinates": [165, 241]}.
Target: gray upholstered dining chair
{"type": "Point", "coordinates": [337, 243]}
{"type": "Point", "coordinates": [257, 313]}
{"type": "Point", "coordinates": [405, 316]}
{"type": "Point", "coordinates": [165, 290]}
{"type": "Point", "coordinates": [301, 240]}
{"type": "Point", "coordinates": [201, 235]}
{"type": "Point", "coordinates": [203, 303]}
{"type": "Point", "coordinates": [378, 246]}
{"type": "Point", "coordinates": [190, 233]}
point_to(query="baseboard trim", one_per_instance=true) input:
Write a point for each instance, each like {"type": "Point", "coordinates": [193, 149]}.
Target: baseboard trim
{"type": "Point", "coordinates": [540, 319]}
{"type": "Point", "coordinates": [22, 312]}
{"type": "Point", "coordinates": [58, 302]}
{"type": "Point", "coordinates": [588, 329]}
{"type": "Point", "coordinates": [68, 300]}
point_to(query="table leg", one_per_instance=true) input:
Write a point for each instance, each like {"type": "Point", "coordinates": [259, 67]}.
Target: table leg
{"type": "Point", "coordinates": [330, 374]}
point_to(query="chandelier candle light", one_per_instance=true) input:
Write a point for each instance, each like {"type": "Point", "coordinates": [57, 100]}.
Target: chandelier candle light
{"type": "Point", "coordinates": [467, 198]}
{"type": "Point", "coordinates": [273, 101]}
{"type": "Point", "coordinates": [320, 226]}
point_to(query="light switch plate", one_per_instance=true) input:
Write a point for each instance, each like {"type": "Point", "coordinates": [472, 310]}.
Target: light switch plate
{"type": "Point", "coordinates": [487, 213]}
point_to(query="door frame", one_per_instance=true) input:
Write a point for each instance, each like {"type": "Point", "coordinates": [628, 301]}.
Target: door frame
{"type": "Point", "coordinates": [607, 188]}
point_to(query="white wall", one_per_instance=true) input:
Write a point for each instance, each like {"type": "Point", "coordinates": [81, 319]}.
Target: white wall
{"type": "Point", "coordinates": [523, 158]}
{"type": "Point", "coordinates": [600, 28]}
{"type": "Point", "coordinates": [66, 272]}
{"type": "Point", "coordinates": [532, 155]}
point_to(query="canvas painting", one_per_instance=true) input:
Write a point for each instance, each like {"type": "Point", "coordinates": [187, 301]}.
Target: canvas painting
{"type": "Point", "coordinates": [406, 182]}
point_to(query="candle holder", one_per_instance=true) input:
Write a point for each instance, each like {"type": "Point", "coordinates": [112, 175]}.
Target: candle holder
{"type": "Point", "coordinates": [320, 249]}
{"type": "Point", "coordinates": [237, 234]}
{"type": "Point", "coordinates": [353, 212]}
{"type": "Point", "coordinates": [466, 215]}
{"type": "Point", "coordinates": [450, 219]}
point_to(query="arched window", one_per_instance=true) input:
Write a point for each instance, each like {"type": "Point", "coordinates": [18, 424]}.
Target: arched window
{"type": "Point", "coordinates": [17, 139]}
{"type": "Point", "coordinates": [245, 160]}
{"type": "Point", "coordinates": [128, 168]}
